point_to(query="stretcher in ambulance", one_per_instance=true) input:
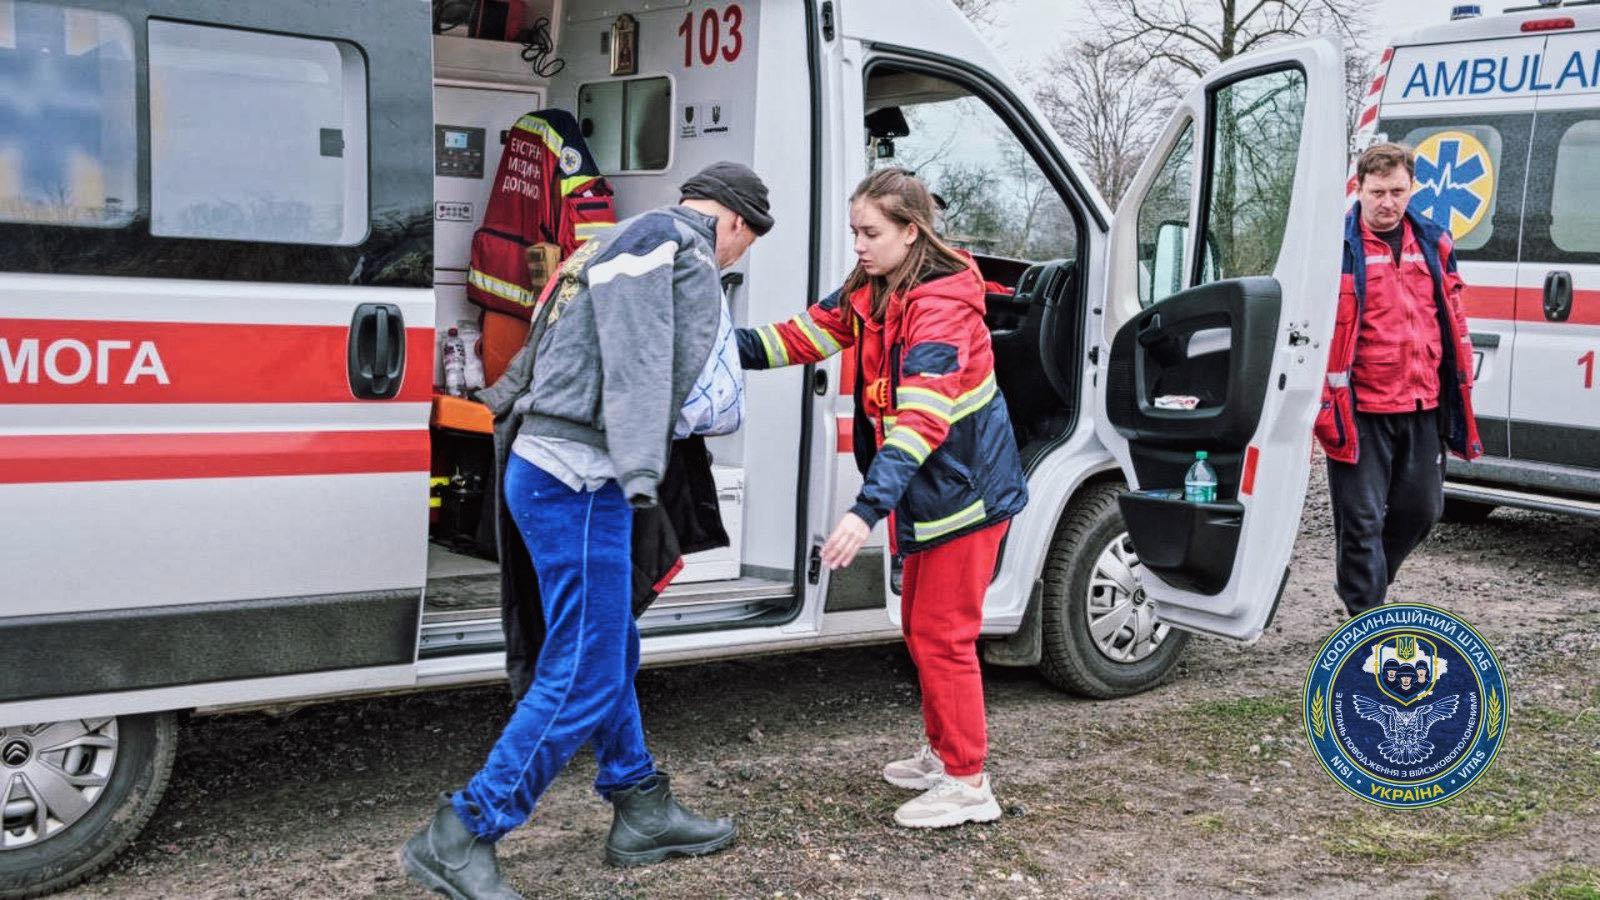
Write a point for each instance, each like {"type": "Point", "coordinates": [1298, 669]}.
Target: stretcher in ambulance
{"type": "Point", "coordinates": [231, 236]}
{"type": "Point", "coordinates": [1504, 114]}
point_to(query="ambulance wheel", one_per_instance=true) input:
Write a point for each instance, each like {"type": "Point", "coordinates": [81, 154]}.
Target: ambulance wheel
{"type": "Point", "coordinates": [1101, 637]}
{"type": "Point", "coordinates": [1465, 512]}
{"type": "Point", "coordinates": [73, 795]}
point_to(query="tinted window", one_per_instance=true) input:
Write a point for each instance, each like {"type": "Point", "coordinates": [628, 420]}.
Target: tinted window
{"type": "Point", "coordinates": [1575, 200]}
{"type": "Point", "coordinates": [628, 124]}
{"type": "Point", "coordinates": [1458, 169]}
{"type": "Point", "coordinates": [1163, 222]}
{"type": "Point", "coordinates": [68, 145]}
{"type": "Point", "coordinates": [1494, 149]}
{"type": "Point", "coordinates": [256, 136]}
{"type": "Point", "coordinates": [1256, 143]}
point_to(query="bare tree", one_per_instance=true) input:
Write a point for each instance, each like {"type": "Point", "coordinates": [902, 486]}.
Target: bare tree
{"type": "Point", "coordinates": [1194, 35]}
{"type": "Point", "coordinates": [981, 12]}
{"type": "Point", "coordinates": [1108, 105]}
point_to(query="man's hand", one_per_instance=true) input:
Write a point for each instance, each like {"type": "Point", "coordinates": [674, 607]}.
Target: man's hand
{"type": "Point", "coordinates": [845, 542]}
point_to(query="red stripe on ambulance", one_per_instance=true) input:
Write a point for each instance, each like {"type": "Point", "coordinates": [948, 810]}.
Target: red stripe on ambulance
{"type": "Point", "coordinates": [56, 458]}
{"type": "Point", "coordinates": [85, 361]}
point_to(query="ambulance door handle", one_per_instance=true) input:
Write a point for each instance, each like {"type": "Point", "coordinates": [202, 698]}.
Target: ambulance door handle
{"type": "Point", "coordinates": [1558, 296]}
{"type": "Point", "coordinates": [380, 353]}
{"type": "Point", "coordinates": [377, 351]}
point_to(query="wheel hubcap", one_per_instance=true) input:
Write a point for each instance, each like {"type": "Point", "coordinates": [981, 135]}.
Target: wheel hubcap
{"type": "Point", "coordinates": [1122, 619]}
{"type": "Point", "coordinates": [51, 776]}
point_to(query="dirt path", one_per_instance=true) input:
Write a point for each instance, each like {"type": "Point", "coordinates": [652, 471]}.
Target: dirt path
{"type": "Point", "coordinates": [1204, 786]}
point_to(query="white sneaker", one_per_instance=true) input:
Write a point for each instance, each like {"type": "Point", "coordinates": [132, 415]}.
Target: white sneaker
{"type": "Point", "coordinates": [919, 773]}
{"type": "Point", "coordinates": [950, 802]}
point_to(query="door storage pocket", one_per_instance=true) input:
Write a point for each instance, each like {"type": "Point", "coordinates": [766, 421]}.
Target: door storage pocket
{"type": "Point", "coordinates": [1190, 546]}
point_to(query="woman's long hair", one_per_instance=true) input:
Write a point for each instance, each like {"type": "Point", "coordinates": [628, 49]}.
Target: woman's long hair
{"type": "Point", "coordinates": [904, 200]}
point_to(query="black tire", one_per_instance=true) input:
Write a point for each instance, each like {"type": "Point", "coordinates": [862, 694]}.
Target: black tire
{"type": "Point", "coordinates": [1070, 659]}
{"type": "Point", "coordinates": [1465, 512]}
{"type": "Point", "coordinates": [145, 749]}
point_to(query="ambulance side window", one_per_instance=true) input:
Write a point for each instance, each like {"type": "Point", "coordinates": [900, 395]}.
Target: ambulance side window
{"type": "Point", "coordinates": [68, 134]}
{"type": "Point", "coordinates": [256, 137]}
{"type": "Point", "coordinates": [1575, 197]}
{"type": "Point", "coordinates": [628, 124]}
{"type": "Point", "coordinates": [998, 202]}
{"type": "Point", "coordinates": [1255, 146]}
{"type": "Point", "coordinates": [1163, 222]}
{"type": "Point", "coordinates": [1460, 178]}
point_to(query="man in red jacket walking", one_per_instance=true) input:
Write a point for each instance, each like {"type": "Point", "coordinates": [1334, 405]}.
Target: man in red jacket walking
{"type": "Point", "coordinates": [1399, 387]}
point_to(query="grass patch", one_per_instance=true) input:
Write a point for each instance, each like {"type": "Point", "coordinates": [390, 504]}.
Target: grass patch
{"type": "Point", "coordinates": [1565, 883]}
{"type": "Point", "coordinates": [1244, 711]}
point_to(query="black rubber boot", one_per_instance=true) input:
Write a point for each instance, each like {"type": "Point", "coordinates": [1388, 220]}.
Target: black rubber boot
{"type": "Point", "coordinates": [444, 857]}
{"type": "Point", "coordinates": [650, 826]}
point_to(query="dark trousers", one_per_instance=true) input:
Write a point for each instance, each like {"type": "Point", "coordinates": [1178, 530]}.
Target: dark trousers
{"type": "Point", "coordinates": [1385, 504]}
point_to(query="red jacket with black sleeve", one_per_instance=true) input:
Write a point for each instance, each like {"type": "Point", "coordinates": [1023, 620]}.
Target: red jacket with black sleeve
{"type": "Point", "coordinates": [547, 190]}
{"type": "Point", "coordinates": [946, 462]}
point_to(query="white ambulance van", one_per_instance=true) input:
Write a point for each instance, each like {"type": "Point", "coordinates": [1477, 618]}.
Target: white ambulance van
{"type": "Point", "coordinates": [230, 234]}
{"type": "Point", "coordinates": [1504, 113]}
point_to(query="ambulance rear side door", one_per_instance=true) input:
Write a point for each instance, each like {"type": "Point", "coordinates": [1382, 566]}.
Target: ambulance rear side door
{"type": "Point", "coordinates": [216, 351]}
{"type": "Point", "coordinates": [1555, 387]}
{"type": "Point", "coordinates": [1222, 275]}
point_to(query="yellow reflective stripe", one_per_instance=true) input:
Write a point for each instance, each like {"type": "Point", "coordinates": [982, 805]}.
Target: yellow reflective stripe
{"type": "Point", "coordinates": [777, 354]}
{"type": "Point", "coordinates": [819, 338]}
{"type": "Point", "coordinates": [927, 531]}
{"type": "Point", "coordinates": [915, 445]}
{"type": "Point", "coordinates": [909, 396]}
{"type": "Point", "coordinates": [568, 185]}
{"type": "Point", "coordinates": [975, 399]}
{"type": "Point", "coordinates": [542, 130]}
{"type": "Point", "coordinates": [505, 290]}
{"type": "Point", "coordinates": [586, 230]}
{"type": "Point", "coordinates": [888, 422]}
{"type": "Point", "coordinates": [918, 406]}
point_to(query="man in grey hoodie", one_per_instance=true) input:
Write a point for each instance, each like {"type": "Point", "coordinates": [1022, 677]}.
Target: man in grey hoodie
{"type": "Point", "coordinates": [618, 342]}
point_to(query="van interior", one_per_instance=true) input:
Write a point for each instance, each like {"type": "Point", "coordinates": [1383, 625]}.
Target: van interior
{"type": "Point", "coordinates": [997, 202]}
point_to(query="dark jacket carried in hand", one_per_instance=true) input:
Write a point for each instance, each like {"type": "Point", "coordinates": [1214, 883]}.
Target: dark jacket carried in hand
{"type": "Point", "coordinates": [571, 379]}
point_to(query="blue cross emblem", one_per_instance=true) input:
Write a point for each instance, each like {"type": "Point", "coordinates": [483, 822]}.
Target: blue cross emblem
{"type": "Point", "coordinates": [1448, 184]}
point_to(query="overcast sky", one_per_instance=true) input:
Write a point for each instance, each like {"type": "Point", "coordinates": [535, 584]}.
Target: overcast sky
{"type": "Point", "coordinates": [1030, 29]}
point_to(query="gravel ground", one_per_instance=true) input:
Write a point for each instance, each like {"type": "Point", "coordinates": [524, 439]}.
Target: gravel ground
{"type": "Point", "coordinates": [1204, 786]}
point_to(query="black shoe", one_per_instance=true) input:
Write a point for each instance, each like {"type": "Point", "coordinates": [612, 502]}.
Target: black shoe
{"type": "Point", "coordinates": [444, 857]}
{"type": "Point", "coordinates": [650, 826]}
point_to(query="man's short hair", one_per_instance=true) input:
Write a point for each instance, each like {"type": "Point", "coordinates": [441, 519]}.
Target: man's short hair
{"type": "Point", "coordinates": [1381, 159]}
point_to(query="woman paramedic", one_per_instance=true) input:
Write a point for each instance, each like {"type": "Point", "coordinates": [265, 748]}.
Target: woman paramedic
{"type": "Point", "coordinates": [946, 471]}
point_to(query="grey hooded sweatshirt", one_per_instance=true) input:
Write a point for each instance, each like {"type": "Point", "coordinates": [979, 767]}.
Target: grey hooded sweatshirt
{"type": "Point", "coordinates": [633, 320]}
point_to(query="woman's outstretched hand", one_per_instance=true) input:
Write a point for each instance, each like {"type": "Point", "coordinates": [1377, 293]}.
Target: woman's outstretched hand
{"type": "Point", "coordinates": [845, 542]}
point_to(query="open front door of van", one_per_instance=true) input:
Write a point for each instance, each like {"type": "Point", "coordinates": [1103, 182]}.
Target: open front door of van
{"type": "Point", "coordinates": [1222, 281]}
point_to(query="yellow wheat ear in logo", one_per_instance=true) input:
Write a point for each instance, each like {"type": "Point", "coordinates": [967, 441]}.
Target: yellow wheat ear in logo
{"type": "Point", "coordinates": [1318, 724]}
{"type": "Point", "coordinates": [1492, 727]}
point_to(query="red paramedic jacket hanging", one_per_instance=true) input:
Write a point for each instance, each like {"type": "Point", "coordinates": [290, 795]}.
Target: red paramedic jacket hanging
{"type": "Point", "coordinates": [548, 190]}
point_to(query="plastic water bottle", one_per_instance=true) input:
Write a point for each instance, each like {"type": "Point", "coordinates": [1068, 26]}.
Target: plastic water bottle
{"type": "Point", "coordinates": [455, 364]}
{"type": "Point", "coordinates": [472, 371]}
{"type": "Point", "coordinates": [1200, 483]}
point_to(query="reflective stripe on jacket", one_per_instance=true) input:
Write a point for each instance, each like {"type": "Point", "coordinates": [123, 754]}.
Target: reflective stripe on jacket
{"type": "Point", "coordinates": [947, 461]}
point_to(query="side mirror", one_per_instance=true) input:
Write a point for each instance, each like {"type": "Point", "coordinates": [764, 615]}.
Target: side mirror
{"type": "Point", "coordinates": [1166, 269]}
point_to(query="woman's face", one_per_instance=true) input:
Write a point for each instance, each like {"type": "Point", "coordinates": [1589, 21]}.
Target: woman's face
{"type": "Point", "coordinates": [881, 243]}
